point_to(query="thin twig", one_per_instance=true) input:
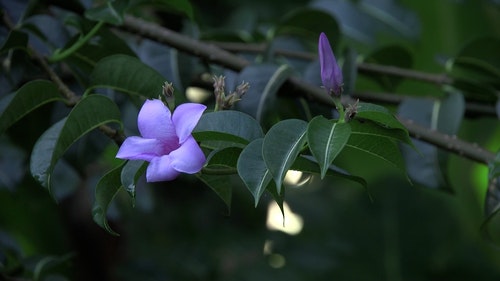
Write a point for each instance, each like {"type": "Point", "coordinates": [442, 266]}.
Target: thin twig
{"type": "Point", "coordinates": [216, 55]}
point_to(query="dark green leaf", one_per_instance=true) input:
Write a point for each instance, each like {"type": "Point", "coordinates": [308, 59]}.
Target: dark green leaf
{"type": "Point", "coordinates": [326, 139]}
{"type": "Point", "coordinates": [380, 147]}
{"type": "Point", "coordinates": [29, 97]}
{"type": "Point", "coordinates": [227, 128]}
{"type": "Point", "coordinates": [131, 172]}
{"type": "Point", "coordinates": [225, 157]}
{"type": "Point", "coordinates": [370, 128]}
{"type": "Point", "coordinates": [350, 70]}
{"type": "Point", "coordinates": [253, 170]}
{"type": "Point", "coordinates": [378, 114]}
{"type": "Point", "coordinates": [15, 40]}
{"type": "Point", "coordinates": [265, 80]}
{"type": "Point", "coordinates": [282, 144]}
{"type": "Point", "coordinates": [221, 185]}
{"type": "Point", "coordinates": [106, 189]}
{"type": "Point", "coordinates": [126, 74]}
{"type": "Point", "coordinates": [90, 113]}
{"type": "Point", "coordinates": [43, 267]}
{"type": "Point", "coordinates": [308, 164]}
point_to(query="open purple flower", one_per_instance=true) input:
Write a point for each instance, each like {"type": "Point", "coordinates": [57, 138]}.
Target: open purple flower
{"type": "Point", "coordinates": [166, 140]}
{"type": "Point", "coordinates": [331, 74]}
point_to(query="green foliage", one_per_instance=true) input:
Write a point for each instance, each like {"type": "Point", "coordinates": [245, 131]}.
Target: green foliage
{"type": "Point", "coordinates": [90, 113]}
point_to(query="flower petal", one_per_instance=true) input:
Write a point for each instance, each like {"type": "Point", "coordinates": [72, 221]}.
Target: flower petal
{"type": "Point", "coordinates": [154, 122]}
{"type": "Point", "coordinates": [160, 169]}
{"type": "Point", "coordinates": [189, 158]}
{"type": "Point", "coordinates": [137, 148]}
{"type": "Point", "coordinates": [185, 118]}
{"type": "Point", "coordinates": [331, 74]}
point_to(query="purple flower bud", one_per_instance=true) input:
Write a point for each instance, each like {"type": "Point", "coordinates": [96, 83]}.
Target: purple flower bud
{"type": "Point", "coordinates": [331, 74]}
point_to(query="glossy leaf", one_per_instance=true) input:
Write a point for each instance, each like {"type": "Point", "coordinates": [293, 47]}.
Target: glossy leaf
{"type": "Point", "coordinates": [225, 157]}
{"type": "Point", "coordinates": [220, 184]}
{"type": "Point", "coordinates": [253, 170]}
{"type": "Point", "coordinates": [282, 144]}
{"type": "Point", "coordinates": [308, 164]}
{"type": "Point", "coordinates": [126, 74]}
{"type": "Point", "coordinates": [266, 79]}
{"type": "Point", "coordinates": [326, 140]}
{"type": "Point", "coordinates": [15, 40]}
{"type": "Point", "coordinates": [379, 147]}
{"type": "Point", "coordinates": [131, 172]}
{"type": "Point", "coordinates": [90, 113]}
{"type": "Point", "coordinates": [369, 128]}
{"type": "Point", "coordinates": [29, 97]}
{"type": "Point", "coordinates": [215, 131]}
{"type": "Point", "coordinates": [107, 188]}
{"type": "Point", "coordinates": [379, 115]}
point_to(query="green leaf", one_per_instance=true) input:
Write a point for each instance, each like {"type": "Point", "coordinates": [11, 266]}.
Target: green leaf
{"type": "Point", "coordinates": [309, 23]}
{"type": "Point", "coordinates": [29, 97]}
{"type": "Point", "coordinates": [266, 79]}
{"type": "Point", "coordinates": [106, 189]}
{"type": "Point", "coordinates": [378, 114]}
{"type": "Point", "coordinates": [131, 172]}
{"type": "Point", "coordinates": [15, 40]}
{"type": "Point", "coordinates": [225, 157]}
{"type": "Point", "coordinates": [110, 12]}
{"type": "Point", "coordinates": [253, 170]}
{"type": "Point", "coordinates": [43, 267]}
{"type": "Point", "coordinates": [307, 164]}
{"type": "Point", "coordinates": [380, 147]}
{"type": "Point", "coordinates": [90, 113]}
{"type": "Point", "coordinates": [282, 144]}
{"type": "Point", "coordinates": [227, 128]}
{"type": "Point", "coordinates": [326, 139]}
{"type": "Point", "coordinates": [220, 184]}
{"type": "Point", "coordinates": [370, 128]}
{"type": "Point", "coordinates": [126, 74]}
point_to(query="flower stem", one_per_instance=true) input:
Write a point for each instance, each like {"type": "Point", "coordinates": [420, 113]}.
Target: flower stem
{"type": "Point", "coordinates": [60, 55]}
{"type": "Point", "coordinates": [340, 109]}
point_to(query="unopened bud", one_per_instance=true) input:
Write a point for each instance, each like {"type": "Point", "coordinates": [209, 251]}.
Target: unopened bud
{"type": "Point", "coordinates": [351, 111]}
{"type": "Point", "coordinates": [168, 96]}
{"type": "Point", "coordinates": [242, 89]}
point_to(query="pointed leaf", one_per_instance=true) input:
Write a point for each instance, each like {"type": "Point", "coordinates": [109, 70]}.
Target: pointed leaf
{"type": "Point", "coordinates": [90, 113]}
{"type": "Point", "coordinates": [110, 12]}
{"type": "Point", "coordinates": [106, 189]}
{"type": "Point", "coordinates": [29, 97]}
{"type": "Point", "coordinates": [215, 129]}
{"type": "Point", "coordinates": [326, 139]}
{"type": "Point", "coordinates": [282, 144]}
{"type": "Point", "coordinates": [15, 40]}
{"type": "Point", "coordinates": [307, 164]}
{"type": "Point", "coordinates": [253, 170]}
{"type": "Point", "coordinates": [378, 114]}
{"type": "Point", "coordinates": [225, 157]}
{"type": "Point", "coordinates": [373, 129]}
{"type": "Point", "coordinates": [131, 172]}
{"type": "Point", "coordinates": [380, 147]}
{"type": "Point", "coordinates": [126, 74]}
{"type": "Point", "coordinates": [221, 185]}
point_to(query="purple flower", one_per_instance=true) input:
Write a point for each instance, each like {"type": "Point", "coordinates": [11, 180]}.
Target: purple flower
{"type": "Point", "coordinates": [331, 74]}
{"type": "Point", "coordinates": [166, 140]}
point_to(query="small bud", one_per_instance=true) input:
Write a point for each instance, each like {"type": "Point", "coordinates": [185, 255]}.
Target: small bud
{"type": "Point", "coordinates": [219, 85]}
{"type": "Point", "coordinates": [168, 96]}
{"type": "Point", "coordinates": [351, 111]}
{"type": "Point", "coordinates": [242, 89]}
{"type": "Point", "coordinates": [331, 74]}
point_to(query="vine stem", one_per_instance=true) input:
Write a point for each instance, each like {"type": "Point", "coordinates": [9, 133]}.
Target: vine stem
{"type": "Point", "coordinates": [59, 55]}
{"type": "Point", "coordinates": [214, 54]}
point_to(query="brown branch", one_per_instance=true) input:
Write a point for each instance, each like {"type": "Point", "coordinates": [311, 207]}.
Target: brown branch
{"type": "Point", "coordinates": [216, 55]}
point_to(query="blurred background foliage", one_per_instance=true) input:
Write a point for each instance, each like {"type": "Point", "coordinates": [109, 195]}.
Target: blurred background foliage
{"type": "Point", "coordinates": [181, 230]}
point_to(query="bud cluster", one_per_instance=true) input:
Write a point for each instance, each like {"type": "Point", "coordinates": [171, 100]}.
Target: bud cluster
{"type": "Point", "coordinates": [223, 101]}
